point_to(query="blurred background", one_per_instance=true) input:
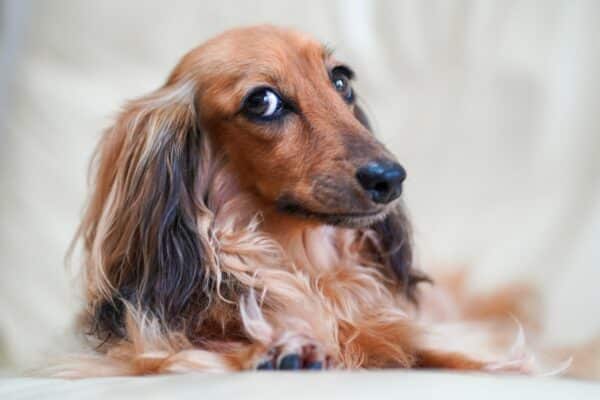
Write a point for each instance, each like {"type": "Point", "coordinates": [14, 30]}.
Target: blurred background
{"type": "Point", "coordinates": [492, 106]}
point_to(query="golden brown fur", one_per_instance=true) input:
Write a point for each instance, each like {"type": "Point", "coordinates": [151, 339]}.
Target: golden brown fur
{"type": "Point", "coordinates": [216, 243]}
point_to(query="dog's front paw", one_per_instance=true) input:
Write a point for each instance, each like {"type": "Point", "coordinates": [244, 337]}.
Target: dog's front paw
{"type": "Point", "coordinates": [296, 354]}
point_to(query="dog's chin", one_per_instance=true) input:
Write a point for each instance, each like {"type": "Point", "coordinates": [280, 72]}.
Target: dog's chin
{"type": "Point", "coordinates": [348, 220]}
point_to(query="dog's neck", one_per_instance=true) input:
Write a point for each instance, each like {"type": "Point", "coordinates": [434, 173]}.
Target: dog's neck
{"type": "Point", "coordinates": [307, 244]}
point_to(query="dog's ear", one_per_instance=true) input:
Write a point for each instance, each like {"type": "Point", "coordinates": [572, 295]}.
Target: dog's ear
{"type": "Point", "coordinates": [141, 230]}
{"type": "Point", "coordinates": [394, 250]}
{"type": "Point", "coordinates": [393, 240]}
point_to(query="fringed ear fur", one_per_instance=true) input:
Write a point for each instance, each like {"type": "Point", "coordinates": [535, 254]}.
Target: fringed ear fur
{"type": "Point", "coordinates": [141, 237]}
{"type": "Point", "coordinates": [394, 235]}
{"type": "Point", "coordinates": [395, 251]}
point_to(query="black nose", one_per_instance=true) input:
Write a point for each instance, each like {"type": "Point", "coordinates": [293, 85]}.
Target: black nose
{"type": "Point", "coordinates": [382, 180]}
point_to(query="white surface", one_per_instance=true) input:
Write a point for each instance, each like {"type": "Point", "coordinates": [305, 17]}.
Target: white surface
{"type": "Point", "coordinates": [493, 107]}
{"type": "Point", "coordinates": [289, 386]}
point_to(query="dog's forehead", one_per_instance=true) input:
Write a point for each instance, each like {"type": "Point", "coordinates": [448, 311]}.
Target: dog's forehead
{"type": "Point", "coordinates": [261, 50]}
{"type": "Point", "coordinates": [268, 49]}
{"type": "Point", "coordinates": [229, 66]}
{"type": "Point", "coordinates": [270, 41]}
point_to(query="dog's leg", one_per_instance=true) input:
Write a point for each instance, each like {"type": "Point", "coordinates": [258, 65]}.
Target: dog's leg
{"type": "Point", "coordinates": [447, 360]}
{"type": "Point", "coordinates": [127, 358]}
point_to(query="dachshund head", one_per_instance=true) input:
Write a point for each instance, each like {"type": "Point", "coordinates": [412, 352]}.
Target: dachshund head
{"type": "Point", "coordinates": [279, 111]}
{"type": "Point", "coordinates": [284, 112]}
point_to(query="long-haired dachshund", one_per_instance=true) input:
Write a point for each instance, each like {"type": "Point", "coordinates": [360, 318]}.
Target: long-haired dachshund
{"type": "Point", "coordinates": [244, 216]}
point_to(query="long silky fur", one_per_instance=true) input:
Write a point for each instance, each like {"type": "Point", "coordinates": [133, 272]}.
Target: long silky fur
{"type": "Point", "coordinates": [393, 240]}
{"type": "Point", "coordinates": [181, 273]}
{"type": "Point", "coordinates": [395, 250]}
{"type": "Point", "coordinates": [142, 239]}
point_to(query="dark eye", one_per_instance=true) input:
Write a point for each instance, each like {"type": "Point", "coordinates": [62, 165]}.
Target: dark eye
{"type": "Point", "coordinates": [341, 82]}
{"type": "Point", "coordinates": [263, 104]}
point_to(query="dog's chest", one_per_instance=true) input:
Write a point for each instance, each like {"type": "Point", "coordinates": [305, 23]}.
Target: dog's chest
{"type": "Point", "coordinates": [328, 258]}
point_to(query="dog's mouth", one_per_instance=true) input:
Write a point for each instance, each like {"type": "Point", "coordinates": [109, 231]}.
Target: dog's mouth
{"type": "Point", "coordinates": [351, 219]}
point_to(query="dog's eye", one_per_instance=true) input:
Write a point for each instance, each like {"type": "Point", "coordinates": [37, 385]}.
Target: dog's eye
{"type": "Point", "coordinates": [263, 104]}
{"type": "Point", "coordinates": [341, 81]}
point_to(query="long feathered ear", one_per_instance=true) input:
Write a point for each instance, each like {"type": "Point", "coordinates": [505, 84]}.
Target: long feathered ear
{"type": "Point", "coordinates": [394, 249]}
{"type": "Point", "coordinates": [142, 240]}
{"type": "Point", "coordinates": [394, 246]}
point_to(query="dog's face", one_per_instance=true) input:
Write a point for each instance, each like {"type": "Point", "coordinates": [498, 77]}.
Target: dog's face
{"type": "Point", "coordinates": [283, 110]}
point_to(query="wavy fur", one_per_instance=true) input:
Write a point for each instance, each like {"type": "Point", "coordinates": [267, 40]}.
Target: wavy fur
{"type": "Point", "coordinates": [191, 263]}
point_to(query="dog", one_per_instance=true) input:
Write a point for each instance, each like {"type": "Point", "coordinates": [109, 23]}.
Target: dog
{"type": "Point", "coordinates": [244, 216]}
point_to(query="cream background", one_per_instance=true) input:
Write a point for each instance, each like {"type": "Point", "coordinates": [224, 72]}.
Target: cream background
{"type": "Point", "coordinates": [493, 107]}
